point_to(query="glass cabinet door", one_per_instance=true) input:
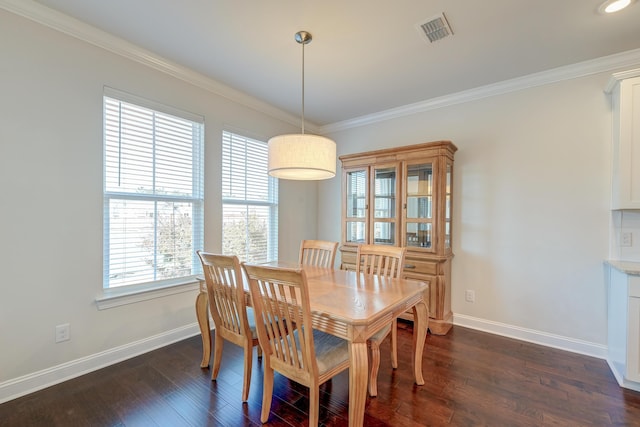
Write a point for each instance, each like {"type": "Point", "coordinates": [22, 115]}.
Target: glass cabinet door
{"type": "Point", "coordinates": [419, 205]}
{"type": "Point", "coordinates": [384, 195]}
{"type": "Point", "coordinates": [447, 207]}
{"type": "Point", "coordinates": [356, 206]}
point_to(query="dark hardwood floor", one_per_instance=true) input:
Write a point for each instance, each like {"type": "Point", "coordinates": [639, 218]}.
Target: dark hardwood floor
{"type": "Point", "coordinates": [472, 379]}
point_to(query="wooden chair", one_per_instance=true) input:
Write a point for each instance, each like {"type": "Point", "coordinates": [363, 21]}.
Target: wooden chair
{"type": "Point", "coordinates": [233, 320]}
{"type": "Point", "coordinates": [319, 253]}
{"type": "Point", "coordinates": [387, 261]}
{"type": "Point", "coordinates": [289, 343]}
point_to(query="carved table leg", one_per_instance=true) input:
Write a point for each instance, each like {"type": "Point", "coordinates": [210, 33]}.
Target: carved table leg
{"type": "Point", "coordinates": [420, 325]}
{"type": "Point", "coordinates": [202, 313]}
{"type": "Point", "coordinates": [358, 375]}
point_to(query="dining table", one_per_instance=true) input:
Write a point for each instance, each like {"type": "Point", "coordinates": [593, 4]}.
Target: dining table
{"type": "Point", "coordinates": [353, 307]}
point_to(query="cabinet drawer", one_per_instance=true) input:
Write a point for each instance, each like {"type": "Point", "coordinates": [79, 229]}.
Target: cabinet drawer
{"type": "Point", "coordinates": [413, 266]}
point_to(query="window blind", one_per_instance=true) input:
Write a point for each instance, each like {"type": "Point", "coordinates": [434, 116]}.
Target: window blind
{"type": "Point", "coordinates": [249, 200]}
{"type": "Point", "coordinates": [153, 193]}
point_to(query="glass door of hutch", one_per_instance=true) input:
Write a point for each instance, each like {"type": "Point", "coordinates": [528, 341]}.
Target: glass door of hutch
{"type": "Point", "coordinates": [356, 206]}
{"type": "Point", "coordinates": [419, 205]}
{"type": "Point", "coordinates": [384, 193]}
{"type": "Point", "coordinates": [447, 206]}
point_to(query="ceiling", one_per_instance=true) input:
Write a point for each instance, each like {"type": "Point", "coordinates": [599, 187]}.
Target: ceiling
{"type": "Point", "coordinates": [367, 56]}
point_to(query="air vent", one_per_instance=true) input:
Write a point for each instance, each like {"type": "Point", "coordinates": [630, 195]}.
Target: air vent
{"type": "Point", "coordinates": [436, 28]}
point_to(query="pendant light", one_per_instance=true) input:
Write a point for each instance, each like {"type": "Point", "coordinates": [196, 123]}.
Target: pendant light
{"type": "Point", "coordinates": [302, 156]}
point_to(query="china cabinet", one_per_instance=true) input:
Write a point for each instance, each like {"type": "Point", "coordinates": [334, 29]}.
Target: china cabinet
{"type": "Point", "coordinates": [403, 197]}
{"type": "Point", "coordinates": [625, 97]}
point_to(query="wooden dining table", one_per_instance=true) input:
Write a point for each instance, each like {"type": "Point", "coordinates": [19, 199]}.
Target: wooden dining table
{"type": "Point", "coordinates": [352, 307]}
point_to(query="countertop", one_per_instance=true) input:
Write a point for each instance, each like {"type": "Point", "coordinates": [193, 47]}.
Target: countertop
{"type": "Point", "coordinates": [628, 267]}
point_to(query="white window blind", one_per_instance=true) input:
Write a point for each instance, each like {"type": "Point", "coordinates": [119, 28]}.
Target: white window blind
{"type": "Point", "coordinates": [249, 200]}
{"type": "Point", "coordinates": [153, 192]}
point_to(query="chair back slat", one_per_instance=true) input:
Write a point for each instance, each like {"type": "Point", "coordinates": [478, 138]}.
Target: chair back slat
{"type": "Point", "coordinates": [283, 318]}
{"type": "Point", "coordinates": [223, 277]}
{"type": "Point", "coordinates": [319, 253]}
{"type": "Point", "coordinates": [379, 260]}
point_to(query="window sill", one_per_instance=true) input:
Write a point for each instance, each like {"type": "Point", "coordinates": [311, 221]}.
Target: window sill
{"type": "Point", "coordinates": [116, 297]}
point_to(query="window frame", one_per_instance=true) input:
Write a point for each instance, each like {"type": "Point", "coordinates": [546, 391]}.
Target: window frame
{"type": "Point", "coordinates": [272, 184]}
{"type": "Point", "coordinates": [127, 293]}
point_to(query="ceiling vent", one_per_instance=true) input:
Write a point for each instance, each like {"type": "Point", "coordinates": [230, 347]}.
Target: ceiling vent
{"type": "Point", "coordinates": [436, 28]}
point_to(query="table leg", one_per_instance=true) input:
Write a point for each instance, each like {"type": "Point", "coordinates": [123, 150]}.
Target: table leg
{"type": "Point", "coordinates": [420, 325]}
{"type": "Point", "coordinates": [202, 314]}
{"type": "Point", "coordinates": [358, 375]}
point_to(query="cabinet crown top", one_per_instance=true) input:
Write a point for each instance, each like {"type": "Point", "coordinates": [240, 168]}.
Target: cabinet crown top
{"type": "Point", "coordinates": [617, 77]}
{"type": "Point", "coordinates": [435, 145]}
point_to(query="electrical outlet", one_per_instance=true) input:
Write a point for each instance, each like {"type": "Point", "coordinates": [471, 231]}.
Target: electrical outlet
{"type": "Point", "coordinates": [469, 295]}
{"type": "Point", "coordinates": [625, 238]}
{"type": "Point", "coordinates": [62, 333]}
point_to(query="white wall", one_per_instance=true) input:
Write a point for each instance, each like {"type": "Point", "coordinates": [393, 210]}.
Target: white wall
{"type": "Point", "coordinates": [51, 88]}
{"type": "Point", "coordinates": [531, 206]}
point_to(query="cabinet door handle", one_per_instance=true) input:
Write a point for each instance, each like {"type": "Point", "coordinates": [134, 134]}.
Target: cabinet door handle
{"type": "Point", "coordinates": [409, 266]}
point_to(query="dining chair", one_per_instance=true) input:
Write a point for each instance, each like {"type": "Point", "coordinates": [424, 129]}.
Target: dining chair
{"type": "Point", "coordinates": [386, 261]}
{"type": "Point", "coordinates": [234, 321]}
{"type": "Point", "coordinates": [289, 343]}
{"type": "Point", "coordinates": [319, 253]}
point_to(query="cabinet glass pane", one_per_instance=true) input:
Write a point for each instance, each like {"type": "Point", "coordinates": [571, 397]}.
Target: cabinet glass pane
{"type": "Point", "coordinates": [356, 193]}
{"type": "Point", "coordinates": [356, 232]}
{"type": "Point", "coordinates": [420, 191]}
{"type": "Point", "coordinates": [419, 235]}
{"type": "Point", "coordinates": [384, 233]}
{"type": "Point", "coordinates": [420, 180]}
{"type": "Point", "coordinates": [419, 207]}
{"type": "Point", "coordinates": [447, 209]}
{"type": "Point", "coordinates": [384, 193]}
{"type": "Point", "coordinates": [447, 234]}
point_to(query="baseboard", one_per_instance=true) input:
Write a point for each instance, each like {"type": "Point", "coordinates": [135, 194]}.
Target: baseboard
{"type": "Point", "coordinates": [530, 335]}
{"type": "Point", "coordinates": [26, 384]}
{"type": "Point", "coordinates": [619, 375]}
{"type": "Point", "coordinates": [29, 383]}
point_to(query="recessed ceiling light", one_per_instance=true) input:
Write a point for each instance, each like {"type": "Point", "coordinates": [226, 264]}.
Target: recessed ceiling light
{"type": "Point", "coordinates": [611, 6]}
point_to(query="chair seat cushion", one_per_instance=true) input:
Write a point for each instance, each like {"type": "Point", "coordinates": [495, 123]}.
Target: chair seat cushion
{"type": "Point", "coordinates": [252, 322]}
{"type": "Point", "coordinates": [330, 350]}
{"type": "Point", "coordinates": [381, 334]}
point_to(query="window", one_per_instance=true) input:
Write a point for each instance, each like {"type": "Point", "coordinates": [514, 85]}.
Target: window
{"type": "Point", "coordinates": [153, 192]}
{"type": "Point", "coordinates": [249, 200]}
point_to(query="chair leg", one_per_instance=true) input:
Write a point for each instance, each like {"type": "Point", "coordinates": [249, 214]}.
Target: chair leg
{"type": "Point", "coordinates": [248, 359]}
{"type": "Point", "coordinates": [394, 344]}
{"type": "Point", "coordinates": [314, 405]}
{"type": "Point", "coordinates": [217, 355]}
{"type": "Point", "coordinates": [259, 352]}
{"type": "Point", "coordinates": [375, 366]}
{"type": "Point", "coordinates": [267, 393]}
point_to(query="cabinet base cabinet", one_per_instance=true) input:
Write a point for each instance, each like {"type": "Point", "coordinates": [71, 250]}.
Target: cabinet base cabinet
{"type": "Point", "coordinates": [624, 328]}
{"type": "Point", "coordinates": [633, 341]}
{"type": "Point", "coordinates": [434, 270]}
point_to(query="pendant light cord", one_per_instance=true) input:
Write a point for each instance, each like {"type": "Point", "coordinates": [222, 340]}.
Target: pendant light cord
{"type": "Point", "coordinates": [303, 43]}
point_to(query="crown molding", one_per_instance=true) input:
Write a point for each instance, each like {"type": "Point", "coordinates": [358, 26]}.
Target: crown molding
{"type": "Point", "coordinates": [616, 77]}
{"type": "Point", "coordinates": [581, 69]}
{"type": "Point", "coordinates": [73, 27]}
{"type": "Point", "coordinates": [58, 21]}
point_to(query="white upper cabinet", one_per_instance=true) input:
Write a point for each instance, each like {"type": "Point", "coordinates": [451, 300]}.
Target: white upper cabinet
{"type": "Point", "coordinates": [625, 96]}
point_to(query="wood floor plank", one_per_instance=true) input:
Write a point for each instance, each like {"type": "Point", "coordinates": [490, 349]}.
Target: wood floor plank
{"type": "Point", "coordinates": [472, 379]}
